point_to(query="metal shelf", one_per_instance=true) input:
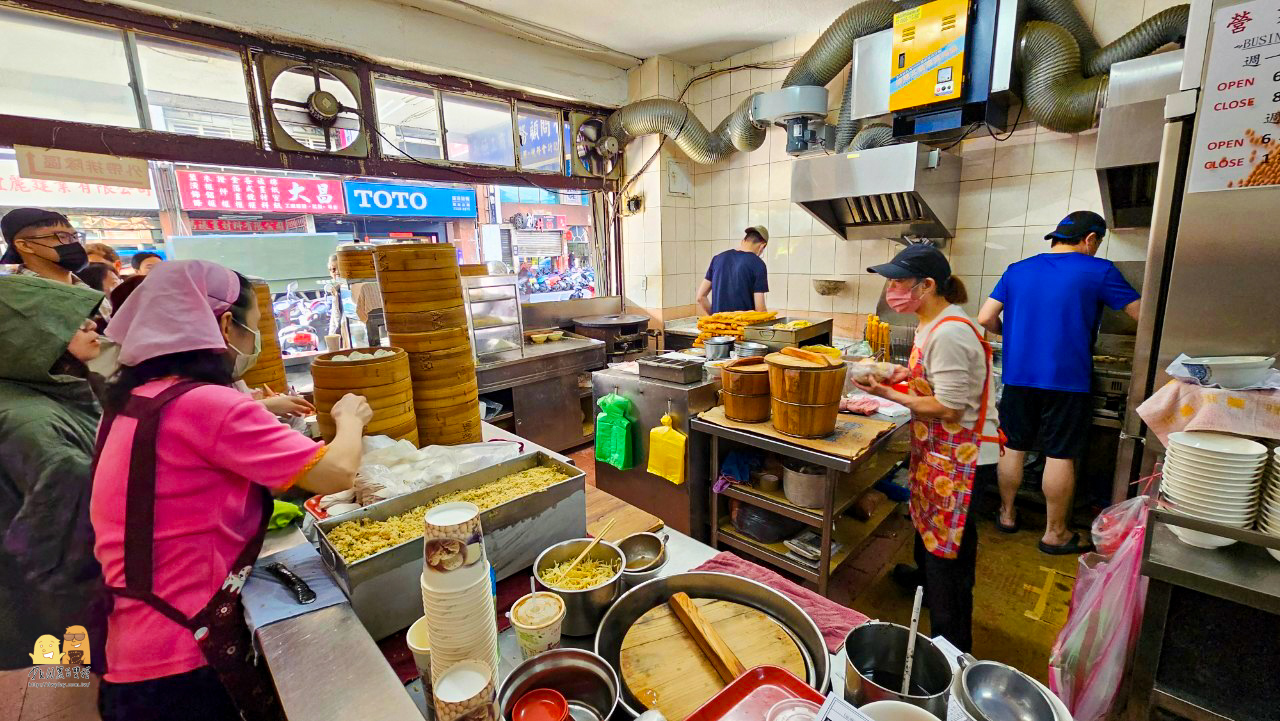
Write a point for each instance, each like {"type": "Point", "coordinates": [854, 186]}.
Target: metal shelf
{"type": "Point", "coordinates": [848, 489]}
{"type": "Point", "coordinates": [849, 532]}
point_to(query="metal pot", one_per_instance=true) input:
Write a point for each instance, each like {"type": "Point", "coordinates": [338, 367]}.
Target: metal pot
{"type": "Point", "coordinates": [804, 485]}
{"type": "Point", "coordinates": [875, 654]}
{"type": "Point", "coordinates": [991, 691]}
{"type": "Point", "coordinates": [583, 609]}
{"type": "Point", "coordinates": [585, 680]}
{"type": "Point", "coordinates": [748, 348]}
{"type": "Point", "coordinates": [718, 347]}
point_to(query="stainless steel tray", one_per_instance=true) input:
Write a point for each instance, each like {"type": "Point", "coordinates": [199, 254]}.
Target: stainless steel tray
{"type": "Point", "coordinates": [777, 338]}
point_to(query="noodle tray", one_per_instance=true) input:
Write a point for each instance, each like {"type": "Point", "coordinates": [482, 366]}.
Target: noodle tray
{"type": "Point", "coordinates": [384, 586]}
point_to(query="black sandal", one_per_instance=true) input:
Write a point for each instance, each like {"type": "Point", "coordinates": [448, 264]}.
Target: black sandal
{"type": "Point", "coordinates": [1070, 548]}
{"type": "Point", "coordinates": [1012, 527]}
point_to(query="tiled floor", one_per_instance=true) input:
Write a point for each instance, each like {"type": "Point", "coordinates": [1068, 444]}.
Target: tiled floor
{"type": "Point", "coordinates": [22, 702]}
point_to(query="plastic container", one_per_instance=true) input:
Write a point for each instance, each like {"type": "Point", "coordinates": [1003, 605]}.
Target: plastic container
{"type": "Point", "coordinates": [758, 695]}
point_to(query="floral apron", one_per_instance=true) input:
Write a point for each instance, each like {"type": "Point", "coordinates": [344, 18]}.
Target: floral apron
{"type": "Point", "coordinates": [944, 458]}
{"type": "Point", "coordinates": [219, 628]}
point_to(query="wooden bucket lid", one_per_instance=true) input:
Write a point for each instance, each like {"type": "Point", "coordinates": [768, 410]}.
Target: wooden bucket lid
{"type": "Point", "coordinates": [803, 360]}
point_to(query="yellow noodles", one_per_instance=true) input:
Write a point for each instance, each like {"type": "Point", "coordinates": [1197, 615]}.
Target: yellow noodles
{"type": "Point", "coordinates": [589, 573]}
{"type": "Point", "coordinates": [358, 539]}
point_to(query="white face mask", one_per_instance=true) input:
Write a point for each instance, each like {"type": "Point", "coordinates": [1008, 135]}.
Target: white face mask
{"type": "Point", "coordinates": [108, 360]}
{"type": "Point", "coordinates": [245, 361]}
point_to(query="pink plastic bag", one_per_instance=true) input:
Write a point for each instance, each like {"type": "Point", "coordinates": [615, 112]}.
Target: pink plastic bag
{"type": "Point", "coordinates": [1092, 653]}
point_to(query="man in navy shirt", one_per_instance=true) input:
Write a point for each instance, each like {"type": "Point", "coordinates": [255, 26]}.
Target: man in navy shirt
{"type": "Point", "coordinates": [1051, 305]}
{"type": "Point", "coordinates": [737, 279]}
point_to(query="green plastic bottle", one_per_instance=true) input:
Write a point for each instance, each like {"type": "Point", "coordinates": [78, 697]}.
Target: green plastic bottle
{"type": "Point", "coordinates": [615, 432]}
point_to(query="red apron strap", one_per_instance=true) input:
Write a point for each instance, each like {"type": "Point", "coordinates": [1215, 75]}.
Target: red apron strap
{"type": "Point", "coordinates": [986, 383]}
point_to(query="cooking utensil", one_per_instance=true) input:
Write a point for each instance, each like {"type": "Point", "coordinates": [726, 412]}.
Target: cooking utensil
{"type": "Point", "coordinates": [911, 640]}
{"type": "Point", "coordinates": [718, 347]}
{"type": "Point", "coordinates": [589, 684]}
{"type": "Point", "coordinates": [704, 634]}
{"type": "Point", "coordinates": [583, 609]}
{"type": "Point", "coordinates": [991, 691]}
{"type": "Point", "coordinates": [585, 551]}
{"type": "Point", "coordinates": [301, 591]}
{"type": "Point", "coordinates": [643, 550]}
{"type": "Point", "coordinates": [874, 661]}
{"type": "Point", "coordinates": [634, 604]}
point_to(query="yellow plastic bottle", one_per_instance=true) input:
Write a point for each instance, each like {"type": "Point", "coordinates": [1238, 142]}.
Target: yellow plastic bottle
{"type": "Point", "coordinates": [666, 451]}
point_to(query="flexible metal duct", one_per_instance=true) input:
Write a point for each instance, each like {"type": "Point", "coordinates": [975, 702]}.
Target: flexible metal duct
{"type": "Point", "coordinates": [847, 127]}
{"type": "Point", "coordinates": [1167, 26]}
{"type": "Point", "coordinates": [872, 136]}
{"type": "Point", "coordinates": [1065, 14]}
{"type": "Point", "coordinates": [1054, 91]}
{"type": "Point", "coordinates": [834, 48]}
{"type": "Point", "coordinates": [674, 120]}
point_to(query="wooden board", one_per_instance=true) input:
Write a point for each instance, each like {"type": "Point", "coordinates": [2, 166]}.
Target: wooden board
{"type": "Point", "coordinates": [602, 506]}
{"type": "Point", "coordinates": [852, 437]}
{"type": "Point", "coordinates": [663, 667]}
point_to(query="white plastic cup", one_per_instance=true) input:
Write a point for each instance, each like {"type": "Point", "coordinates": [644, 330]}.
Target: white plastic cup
{"type": "Point", "coordinates": [419, 640]}
{"type": "Point", "coordinates": [541, 634]}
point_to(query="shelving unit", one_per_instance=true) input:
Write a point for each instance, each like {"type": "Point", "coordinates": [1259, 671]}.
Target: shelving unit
{"type": "Point", "coordinates": [493, 304]}
{"type": "Point", "coordinates": [846, 480]}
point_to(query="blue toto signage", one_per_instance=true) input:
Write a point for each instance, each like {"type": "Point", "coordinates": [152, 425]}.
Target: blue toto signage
{"type": "Point", "coordinates": [414, 200]}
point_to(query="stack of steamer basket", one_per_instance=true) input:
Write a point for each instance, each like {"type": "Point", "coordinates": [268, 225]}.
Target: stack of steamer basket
{"type": "Point", "coordinates": [269, 370]}
{"type": "Point", "coordinates": [384, 382]}
{"type": "Point", "coordinates": [423, 305]}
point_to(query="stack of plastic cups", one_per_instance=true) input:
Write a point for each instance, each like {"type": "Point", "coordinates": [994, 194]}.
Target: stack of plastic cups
{"type": "Point", "coordinates": [457, 596]}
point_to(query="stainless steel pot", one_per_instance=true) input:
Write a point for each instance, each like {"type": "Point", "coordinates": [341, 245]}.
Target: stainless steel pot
{"type": "Point", "coordinates": [586, 681]}
{"type": "Point", "coordinates": [748, 348]}
{"type": "Point", "coordinates": [702, 584]}
{"type": "Point", "coordinates": [875, 654]}
{"type": "Point", "coordinates": [718, 347]}
{"type": "Point", "coordinates": [991, 691]}
{"type": "Point", "coordinates": [583, 609]}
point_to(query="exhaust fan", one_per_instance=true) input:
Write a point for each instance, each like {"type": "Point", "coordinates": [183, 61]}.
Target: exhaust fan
{"type": "Point", "coordinates": [595, 154]}
{"type": "Point", "coordinates": [313, 107]}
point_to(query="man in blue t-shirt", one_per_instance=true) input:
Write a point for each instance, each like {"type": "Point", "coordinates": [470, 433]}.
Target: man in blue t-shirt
{"type": "Point", "coordinates": [1051, 305]}
{"type": "Point", "coordinates": [737, 279]}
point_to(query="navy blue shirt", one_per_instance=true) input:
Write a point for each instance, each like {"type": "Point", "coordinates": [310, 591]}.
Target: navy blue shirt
{"type": "Point", "coordinates": [736, 276]}
{"type": "Point", "coordinates": [1052, 305]}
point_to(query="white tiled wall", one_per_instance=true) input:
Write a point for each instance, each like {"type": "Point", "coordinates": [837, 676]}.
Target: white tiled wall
{"type": "Point", "coordinates": [1013, 192]}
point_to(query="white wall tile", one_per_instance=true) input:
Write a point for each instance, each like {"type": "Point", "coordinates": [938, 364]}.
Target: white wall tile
{"type": "Point", "coordinates": [972, 284]}
{"type": "Point", "coordinates": [652, 224]}
{"type": "Point", "coordinates": [875, 252]}
{"type": "Point", "coordinates": [1033, 242]}
{"type": "Point", "coordinates": [1086, 150]}
{"type": "Point", "coordinates": [739, 183]}
{"type": "Point", "coordinates": [848, 255]}
{"type": "Point", "coordinates": [780, 218]}
{"type": "Point", "coordinates": [1085, 194]}
{"type": "Point", "coordinates": [846, 301]}
{"type": "Point", "coordinates": [777, 297]}
{"type": "Point", "coordinates": [822, 255]}
{"type": "Point", "coordinates": [820, 303]}
{"type": "Point", "coordinates": [988, 284]}
{"type": "Point", "coordinates": [720, 187]}
{"type": "Point", "coordinates": [761, 77]}
{"type": "Point", "coordinates": [802, 223]}
{"type": "Point", "coordinates": [721, 86]}
{"type": "Point", "coordinates": [666, 78]}
{"type": "Point", "coordinates": [651, 263]}
{"type": "Point", "coordinates": [720, 107]}
{"type": "Point", "coordinates": [777, 142]}
{"type": "Point", "coordinates": [801, 255]}
{"type": "Point", "coordinates": [870, 288]}
{"type": "Point", "coordinates": [1003, 246]}
{"type": "Point", "coordinates": [740, 81]}
{"type": "Point", "coordinates": [720, 227]}
{"type": "Point", "coordinates": [783, 49]}
{"type": "Point", "coordinates": [702, 253]}
{"type": "Point", "coordinates": [653, 295]}
{"type": "Point", "coordinates": [978, 159]}
{"type": "Point", "coordinates": [703, 224]}
{"type": "Point", "coordinates": [686, 225]}
{"type": "Point", "coordinates": [777, 255]}
{"type": "Point", "coordinates": [966, 251]}
{"type": "Point", "coordinates": [668, 225]}
{"type": "Point", "coordinates": [737, 219]}
{"type": "Point", "coordinates": [1009, 201]}
{"type": "Point", "coordinates": [1015, 155]}
{"type": "Point", "coordinates": [780, 180]}
{"type": "Point", "coordinates": [758, 183]}
{"type": "Point", "coordinates": [1048, 197]}
{"type": "Point", "coordinates": [758, 213]}
{"type": "Point", "coordinates": [649, 78]}
{"type": "Point", "coordinates": [975, 204]}
{"type": "Point", "coordinates": [798, 287]}
{"type": "Point", "coordinates": [1054, 152]}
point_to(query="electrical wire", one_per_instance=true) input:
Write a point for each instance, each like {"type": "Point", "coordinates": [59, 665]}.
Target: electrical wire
{"type": "Point", "coordinates": [972, 127]}
{"type": "Point", "coordinates": [1012, 129]}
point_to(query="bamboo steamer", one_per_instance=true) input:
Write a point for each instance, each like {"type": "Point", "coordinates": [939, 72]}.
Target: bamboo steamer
{"type": "Point", "coordinates": [460, 391]}
{"type": "Point", "coordinates": [384, 382]}
{"type": "Point", "coordinates": [466, 410]}
{"type": "Point", "coordinates": [370, 393]}
{"type": "Point", "coordinates": [429, 439]}
{"type": "Point", "coordinates": [473, 269]}
{"type": "Point", "coordinates": [804, 421]}
{"type": "Point", "coordinates": [408, 303]}
{"type": "Point", "coordinates": [392, 283]}
{"type": "Point", "coordinates": [405, 398]}
{"type": "Point", "coordinates": [440, 340]}
{"type": "Point", "coordinates": [394, 426]}
{"type": "Point", "coordinates": [745, 409]}
{"type": "Point", "coordinates": [441, 360]}
{"type": "Point", "coordinates": [351, 375]}
{"type": "Point", "coordinates": [423, 405]}
{"type": "Point", "coordinates": [466, 422]}
{"type": "Point", "coordinates": [746, 377]}
{"type": "Point", "coordinates": [805, 378]}
{"type": "Point", "coordinates": [426, 321]}
{"type": "Point", "coordinates": [422, 293]}
{"type": "Point", "coordinates": [415, 256]}
{"type": "Point", "coordinates": [269, 370]}
{"type": "Point", "coordinates": [356, 263]}
{"type": "Point", "coordinates": [401, 407]}
{"type": "Point", "coordinates": [418, 278]}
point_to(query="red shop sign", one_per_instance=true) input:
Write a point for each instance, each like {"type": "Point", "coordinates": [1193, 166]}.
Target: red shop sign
{"type": "Point", "coordinates": [217, 225]}
{"type": "Point", "coordinates": [199, 190]}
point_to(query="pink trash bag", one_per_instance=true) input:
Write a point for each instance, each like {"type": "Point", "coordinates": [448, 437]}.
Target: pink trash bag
{"type": "Point", "coordinates": [1092, 653]}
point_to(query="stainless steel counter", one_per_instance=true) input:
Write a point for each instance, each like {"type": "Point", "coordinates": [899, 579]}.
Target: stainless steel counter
{"type": "Point", "coordinates": [541, 361]}
{"type": "Point", "coordinates": [542, 392]}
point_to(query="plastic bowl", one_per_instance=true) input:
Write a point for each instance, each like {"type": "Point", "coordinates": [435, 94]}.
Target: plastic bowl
{"type": "Point", "coordinates": [541, 704]}
{"type": "Point", "coordinates": [1230, 371]}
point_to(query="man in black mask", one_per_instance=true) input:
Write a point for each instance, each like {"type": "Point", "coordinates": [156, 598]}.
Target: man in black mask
{"type": "Point", "coordinates": [42, 243]}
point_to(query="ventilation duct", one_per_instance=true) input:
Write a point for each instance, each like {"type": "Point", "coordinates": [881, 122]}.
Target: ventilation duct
{"type": "Point", "coordinates": [890, 191]}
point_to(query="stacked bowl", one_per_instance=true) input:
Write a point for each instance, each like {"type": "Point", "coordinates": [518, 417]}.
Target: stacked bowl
{"type": "Point", "coordinates": [1269, 514]}
{"type": "Point", "coordinates": [457, 594]}
{"type": "Point", "coordinates": [1213, 477]}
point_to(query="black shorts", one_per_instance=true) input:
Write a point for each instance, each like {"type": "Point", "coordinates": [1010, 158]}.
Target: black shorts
{"type": "Point", "coordinates": [1059, 419]}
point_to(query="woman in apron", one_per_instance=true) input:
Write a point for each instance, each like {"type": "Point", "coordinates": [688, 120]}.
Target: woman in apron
{"type": "Point", "coordinates": [182, 488]}
{"type": "Point", "coordinates": [952, 426]}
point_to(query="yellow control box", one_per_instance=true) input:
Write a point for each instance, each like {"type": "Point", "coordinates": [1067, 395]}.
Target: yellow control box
{"type": "Point", "coordinates": [928, 54]}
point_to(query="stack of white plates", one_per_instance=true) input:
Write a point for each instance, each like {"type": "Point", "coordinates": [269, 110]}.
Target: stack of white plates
{"type": "Point", "coordinates": [1213, 477]}
{"type": "Point", "coordinates": [1269, 516]}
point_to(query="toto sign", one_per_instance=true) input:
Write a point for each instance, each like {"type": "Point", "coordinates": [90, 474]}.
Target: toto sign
{"type": "Point", "coordinates": [409, 200]}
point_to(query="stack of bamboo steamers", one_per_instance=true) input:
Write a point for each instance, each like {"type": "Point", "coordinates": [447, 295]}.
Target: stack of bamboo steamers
{"type": "Point", "coordinates": [426, 316]}
{"type": "Point", "coordinates": [269, 370]}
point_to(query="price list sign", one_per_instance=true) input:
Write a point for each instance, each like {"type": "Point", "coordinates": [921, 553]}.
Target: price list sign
{"type": "Point", "coordinates": [1237, 142]}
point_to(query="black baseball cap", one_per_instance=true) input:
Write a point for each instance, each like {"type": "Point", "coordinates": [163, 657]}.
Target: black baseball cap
{"type": "Point", "coordinates": [919, 260]}
{"type": "Point", "coordinates": [19, 219]}
{"type": "Point", "coordinates": [1079, 224]}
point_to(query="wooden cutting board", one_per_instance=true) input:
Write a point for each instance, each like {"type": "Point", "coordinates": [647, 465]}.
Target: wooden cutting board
{"type": "Point", "coordinates": [663, 667]}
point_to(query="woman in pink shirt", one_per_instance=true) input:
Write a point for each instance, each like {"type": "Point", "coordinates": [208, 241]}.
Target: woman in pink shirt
{"type": "Point", "coordinates": [181, 493]}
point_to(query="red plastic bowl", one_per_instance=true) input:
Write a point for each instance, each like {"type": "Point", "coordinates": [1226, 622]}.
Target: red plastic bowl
{"type": "Point", "coordinates": [541, 704]}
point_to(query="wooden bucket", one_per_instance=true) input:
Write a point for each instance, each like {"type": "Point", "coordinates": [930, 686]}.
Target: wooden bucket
{"type": "Point", "coordinates": [353, 375]}
{"type": "Point", "coordinates": [746, 377]}
{"type": "Point", "coordinates": [804, 421]}
{"type": "Point", "coordinates": [356, 263]}
{"type": "Point", "coordinates": [441, 340]}
{"type": "Point", "coordinates": [745, 409]}
{"type": "Point", "coordinates": [426, 321]}
{"type": "Point", "coordinates": [808, 379]}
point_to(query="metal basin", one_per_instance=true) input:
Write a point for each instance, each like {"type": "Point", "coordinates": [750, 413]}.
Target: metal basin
{"type": "Point", "coordinates": [701, 584]}
{"type": "Point", "coordinates": [631, 579]}
{"type": "Point", "coordinates": [582, 609]}
{"type": "Point", "coordinates": [875, 654]}
{"type": "Point", "coordinates": [583, 678]}
{"type": "Point", "coordinates": [643, 551]}
{"type": "Point", "coordinates": [991, 691]}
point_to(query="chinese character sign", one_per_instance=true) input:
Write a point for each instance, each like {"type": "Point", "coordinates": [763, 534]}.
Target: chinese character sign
{"type": "Point", "coordinates": [200, 190]}
{"type": "Point", "coordinates": [73, 166]}
{"type": "Point", "coordinates": [1237, 141]}
{"type": "Point", "coordinates": [219, 225]}
{"type": "Point", "coordinates": [19, 191]}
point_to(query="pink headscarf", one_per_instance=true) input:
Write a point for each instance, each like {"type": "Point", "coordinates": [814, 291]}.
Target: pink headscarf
{"type": "Point", "coordinates": [176, 310]}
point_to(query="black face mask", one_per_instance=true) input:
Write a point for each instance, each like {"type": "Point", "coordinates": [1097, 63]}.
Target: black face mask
{"type": "Point", "coordinates": [72, 256]}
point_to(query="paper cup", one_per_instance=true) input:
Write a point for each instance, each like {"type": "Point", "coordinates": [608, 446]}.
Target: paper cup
{"type": "Point", "coordinates": [453, 547]}
{"type": "Point", "coordinates": [465, 692]}
{"type": "Point", "coordinates": [419, 641]}
{"type": "Point", "coordinates": [536, 618]}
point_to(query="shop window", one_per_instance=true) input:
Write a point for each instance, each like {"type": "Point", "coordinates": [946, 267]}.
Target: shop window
{"type": "Point", "coordinates": [548, 238]}
{"type": "Point", "coordinates": [539, 138]}
{"type": "Point", "coordinates": [64, 70]}
{"type": "Point", "coordinates": [194, 89]}
{"type": "Point", "coordinates": [478, 130]}
{"type": "Point", "coordinates": [408, 118]}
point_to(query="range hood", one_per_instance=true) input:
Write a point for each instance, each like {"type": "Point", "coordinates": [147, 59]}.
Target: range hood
{"type": "Point", "coordinates": [886, 192]}
{"type": "Point", "coordinates": [1129, 136]}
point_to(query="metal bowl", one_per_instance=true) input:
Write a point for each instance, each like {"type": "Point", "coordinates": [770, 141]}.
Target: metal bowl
{"type": "Point", "coordinates": [641, 547]}
{"type": "Point", "coordinates": [584, 679]}
{"type": "Point", "coordinates": [582, 609]}
{"type": "Point", "coordinates": [631, 579]}
{"type": "Point", "coordinates": [991, 691]}
{"type": "Point", "coordinates": [702, 584]}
